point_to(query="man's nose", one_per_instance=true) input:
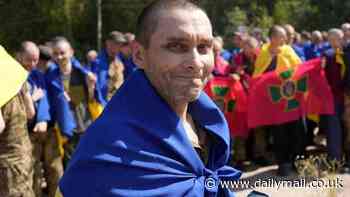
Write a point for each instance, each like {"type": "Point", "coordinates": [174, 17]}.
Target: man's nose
{"type": "Point", "coordinates": [194, 62]}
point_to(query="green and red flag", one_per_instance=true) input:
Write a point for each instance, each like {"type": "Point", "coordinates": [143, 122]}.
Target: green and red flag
{"type": "Point", "coordinates": [276, 98]}
{"type": "Point", "coordinates": [231, 98]}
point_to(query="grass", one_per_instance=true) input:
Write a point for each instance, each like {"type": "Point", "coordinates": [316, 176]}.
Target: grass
{"type": "Point", "coordinates": [320, 167]}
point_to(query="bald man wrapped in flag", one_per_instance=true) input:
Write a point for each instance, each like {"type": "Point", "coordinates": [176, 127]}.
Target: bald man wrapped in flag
{"type": "Point", "coordinates": [160, 134]}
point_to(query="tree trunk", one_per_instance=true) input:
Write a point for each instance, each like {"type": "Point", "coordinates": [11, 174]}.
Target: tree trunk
{"type": "Point", "coordinates": [99, 23]}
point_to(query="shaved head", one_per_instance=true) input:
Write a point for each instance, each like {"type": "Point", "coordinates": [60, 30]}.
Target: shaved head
{"type": "Point", "coordinates": [277, 30]}
{"type": "Point", "coordinates": [91, 55]}
{"type": "Point", "coordinates": [62, 51]}
{"type": "Point", "coordinates": [335, 37]}
{"type": "Point", "coordinates": [345, 26]}
{"type": "Point", "coordinates": [277, 35]}
{"type": "Point", "coordinates": [316, 36]}
{"type": "Point", "coordinates": [60, 40]}
{"type": "Point", "coordinates": [336, 32]}
{"type": "Point", "coordinates": [289, 28]}
{"type": "Point", "coordinates": [290, 33]}
{"type": "Point", "coordinates": [346, 30]}
{"type": "Point", "coordinates": [28, 55]}
{"type": "Point", "coordinates": [29, 46]}
{"type": "Point", "coordinates": [147, 22]}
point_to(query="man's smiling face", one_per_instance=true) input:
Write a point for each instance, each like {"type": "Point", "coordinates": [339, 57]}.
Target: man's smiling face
{"type": "Point", "coordinates": [179, 58]}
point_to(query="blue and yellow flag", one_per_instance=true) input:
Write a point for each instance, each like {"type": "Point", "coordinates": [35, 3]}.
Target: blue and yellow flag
{"type": "Point", "coordinates": [286, 59]}
{"type": "Point", "coordinates": [13, 75]}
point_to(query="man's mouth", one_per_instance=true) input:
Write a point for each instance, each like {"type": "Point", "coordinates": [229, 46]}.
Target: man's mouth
{"type": "Point", "coordinates": [191, 80]}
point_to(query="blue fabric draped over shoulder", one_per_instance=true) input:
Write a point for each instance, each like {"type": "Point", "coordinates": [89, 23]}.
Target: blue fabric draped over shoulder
{"type": "Point", "coordinates": [60, 109]}
{"type": "Point", "coordinates": [138, 147]}
{"type": "Point", "coordinates": [100, 68]}
{"type": "Point", "coordinates": [42, 108]}
{"type": "Point", "coordinates": [299, 51]}
{"type": "Point", "coordinates": [129, 65]}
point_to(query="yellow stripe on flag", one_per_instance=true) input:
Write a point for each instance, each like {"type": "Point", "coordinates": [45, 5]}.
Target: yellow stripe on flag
{"type": "Point", "coordinates": [339, 59]}
{"type": "Point", "coordinates": [95, 109]}
{"type": "Point", "coordinates": [314, 117]}
{"type": "Point", "coordinates": [61, 140]}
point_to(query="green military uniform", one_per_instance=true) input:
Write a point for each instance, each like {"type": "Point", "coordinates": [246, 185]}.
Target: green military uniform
{"type": "Point", "coordinates": [16, 165]}
{"type": "Point", "coordinates": [47, 156]}
{"type": "Point", "coordinates": [74, 86]}
{"type": "Point", "coordinates": [47, 159]}
{"type": "Point", "coordinates": [116, 77]}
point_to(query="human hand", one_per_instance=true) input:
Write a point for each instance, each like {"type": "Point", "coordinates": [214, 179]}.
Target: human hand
{"type": "Point", "coordinates": [40, 127]}
{"type": "Point", "coordinates": [38, 93]}
{"type": "Point", "coordinates": [235, 77]}
{"type": "Point", "coordinates": [67, 96]}
{"type": "Point", "coordinates": [91, 77]}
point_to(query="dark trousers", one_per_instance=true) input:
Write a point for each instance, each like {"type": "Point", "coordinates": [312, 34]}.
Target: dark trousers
{"type": "Point", "coordinates": [288, 141]}
{"type": "Point", "coordinates": [333, 126]}
{"type": "Point", "coordinates": [310, 125]}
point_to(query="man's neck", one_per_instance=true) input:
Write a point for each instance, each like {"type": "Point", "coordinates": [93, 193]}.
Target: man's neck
{"type": "Point", "coordinates": [250, 56]}
{"type": "Point", "coordinates": [274, 49]}
{"type": "Point", "coordinates": [66, 69]}
{"type": "Point", "coordinates": [27, 68]}
{"type": "Point", "coordinates": [347, 39]}
{"type": "Point", "coordinates": [180, 110]}
{"type": "Point", "coordinates": [339, 48]}
{"type": "Point", "coordinates": [43, 68]}
{"type": "Point", "coordinates": [111, 56]}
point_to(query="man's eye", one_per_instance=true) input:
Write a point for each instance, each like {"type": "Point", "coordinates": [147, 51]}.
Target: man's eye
{"type": "Point", "coordinates": [177, 47]}
{"type": "Point", "coordinates": [204, 48]}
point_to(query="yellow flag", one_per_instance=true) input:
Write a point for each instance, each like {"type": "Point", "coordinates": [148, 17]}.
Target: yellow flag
{"type": "Point", "coordinates": [339, 59]}
{"type": "Point", "coordinates": [286, 59]}
{"type": "Point", "coordinates": [12, 76]}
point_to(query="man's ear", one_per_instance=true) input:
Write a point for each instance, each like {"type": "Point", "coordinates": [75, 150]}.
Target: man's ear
{"type": "Point", "coordinates": [138, 54]}
{"type": "Point", "coordinates": [72, 51]}
{"type": "Point", "coordinates": [19, 56]}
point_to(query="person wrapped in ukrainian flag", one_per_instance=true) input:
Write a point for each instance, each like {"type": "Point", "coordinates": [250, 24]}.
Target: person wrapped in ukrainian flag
{"type": "Point", "coordinates": [68, 91]}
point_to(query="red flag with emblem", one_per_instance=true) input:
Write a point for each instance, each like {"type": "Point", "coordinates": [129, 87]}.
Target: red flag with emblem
{"type": "Point", "coordinates": [231, 98]}
{"type": "Point", "coordinates": [276, 98]}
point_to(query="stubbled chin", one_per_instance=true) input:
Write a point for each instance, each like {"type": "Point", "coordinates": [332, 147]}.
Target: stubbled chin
{"type": "Point", "coordinates": [189, 96]}
{"type": "Point", "coordinates": [193, 94]}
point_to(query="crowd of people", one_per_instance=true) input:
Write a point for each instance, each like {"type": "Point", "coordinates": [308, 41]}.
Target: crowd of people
{"type": "Point", "coordinates": [284, 48]}
{"type": "Point", "coordinates": [62, 97]}
{"type": "Point", "coordinates": [57, 103]}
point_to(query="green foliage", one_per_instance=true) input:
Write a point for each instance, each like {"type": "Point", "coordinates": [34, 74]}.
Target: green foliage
{"type": "Point", "coordinates": [40, 20]}
{"type": "Point", "coordinates": [236, 17]}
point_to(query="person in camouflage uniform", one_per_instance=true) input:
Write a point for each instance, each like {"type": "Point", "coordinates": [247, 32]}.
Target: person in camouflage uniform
{"type": "Point", "coordinates": [116, 77]}
{"type": "Point", "coordinates": [109, 67]}
{"type": "Point", "coordinates": [16, 163]}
